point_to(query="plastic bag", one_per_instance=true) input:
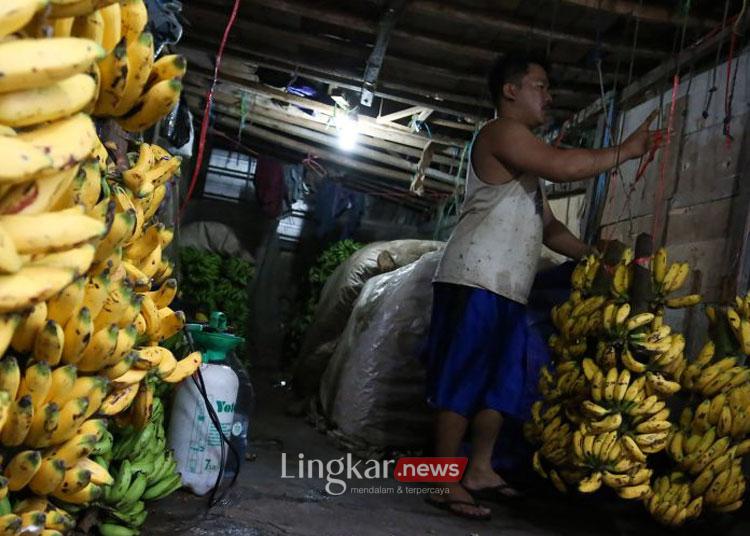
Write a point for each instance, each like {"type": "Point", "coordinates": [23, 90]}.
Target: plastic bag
{"type": "Point", "coordinates": [215, 237]}
{"type": "Point", "coordinates": [178, 126]}
{"type": "Point", "coordinates": [164, 23]}
{"type": "Point", "coordinates": [373, 388]}
{"type": "Point", "coordinates": [337, 299]}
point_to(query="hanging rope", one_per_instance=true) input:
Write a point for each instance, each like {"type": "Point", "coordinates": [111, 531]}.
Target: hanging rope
{"type": "Point", "coordinates": [207, 109]}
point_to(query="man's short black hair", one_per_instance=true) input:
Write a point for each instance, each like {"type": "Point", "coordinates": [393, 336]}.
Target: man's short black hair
{"type": "Point", "coordinates": [510, 68]}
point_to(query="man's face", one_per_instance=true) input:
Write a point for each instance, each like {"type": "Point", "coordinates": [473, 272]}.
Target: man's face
{"type": "Point", "coordinates": [533, 97]}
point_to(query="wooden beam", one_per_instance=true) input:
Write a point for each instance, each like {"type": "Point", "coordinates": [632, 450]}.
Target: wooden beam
{"type": "Point", "coordinates": [333, 157]}
{"type": "Point", "coordinates": [413, 94]}
{"type": "Point", "coordinates": [370, 125]}
{"type": "Point", "coordinates": [395, 116]}
{"type": "Point", "coordinates": [319, 125]}
{"type": "Point", "coordinates": [417, 40]}
{"type": "Point", "coordinates": [645, 12]}
{"type": "Point", "coordinates": [454, 125]}
{"type": "Point", "coordinates": [471, 17]}
{"type": "Point", "coordinates": [330, 140]}
{"type": "Point", "coordinates": [501, 24]}
{"type": "Point", "coordinates": [375, 61]}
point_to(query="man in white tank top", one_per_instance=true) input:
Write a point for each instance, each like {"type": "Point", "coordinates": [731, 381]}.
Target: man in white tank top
{"type": "Point", "coordinates": [476, 364]}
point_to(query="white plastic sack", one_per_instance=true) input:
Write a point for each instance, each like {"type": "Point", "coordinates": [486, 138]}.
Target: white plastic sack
{"type": "Point", "coordinates": [373, 387]}
{"type": "Point", "coordinates": [215, 237]}
{"type": "Point", "coordinates": [337, 299]}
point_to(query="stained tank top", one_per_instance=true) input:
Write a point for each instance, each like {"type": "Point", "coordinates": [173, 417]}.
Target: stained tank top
{"type": "Point", "coordinates": [497, 241]}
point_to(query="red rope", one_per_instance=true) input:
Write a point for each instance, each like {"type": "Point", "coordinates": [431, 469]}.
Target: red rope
{"type": "Point", "coordinates": [657, 223]}
{"type": "Point", "coordinates": [207, 108]}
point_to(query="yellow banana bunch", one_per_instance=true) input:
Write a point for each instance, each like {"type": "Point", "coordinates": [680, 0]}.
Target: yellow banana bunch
{"type": "Point", "coordinates": [672, 504]}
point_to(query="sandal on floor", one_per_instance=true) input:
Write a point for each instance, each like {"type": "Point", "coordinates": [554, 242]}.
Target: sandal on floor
{"type": "Point", "coordinates": [448, 506]}
{"type": "Point", "coordinates": [498, 494]}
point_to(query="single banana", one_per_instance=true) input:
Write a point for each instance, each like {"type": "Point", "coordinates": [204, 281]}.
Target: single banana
{"type": "Point", "coordinates": [26, 332]}
{"type": "Point", "coordinates": [154, 105]}
{"type": "Point", "coordinates": [49, 343]}
{"type": "Point", "coordinates": [51, 231]}
{"type": "Point", "coordinates": [173, 66]}
{"type": "Point", "coordinates": [15, 14]}
{"type": "Point", "coordinates": [51, 102]}
{"type": "Point", "coordinates": [22, 160]}
{"type": "Point", "coordinates": [140, 61]}
{"type": "Point", "coordinates": [21, 469]}
{"type": "Point", "coordinates": [32, 63]}
{"type": "Point", "coordinates": [134, 16]}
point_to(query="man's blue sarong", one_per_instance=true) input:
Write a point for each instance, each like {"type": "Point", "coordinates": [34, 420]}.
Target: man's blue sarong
{"type": "Point", "coordinates": [477, 355]}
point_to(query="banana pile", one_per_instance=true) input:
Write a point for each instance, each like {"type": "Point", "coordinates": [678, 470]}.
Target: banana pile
{"type": "Point", "coordinates": [85, 285]}
{"type": "Point", "coordinates": [606, 407]}
{"type": "Point", "coordinates": [711, 439]}
{"type": "Point", "coordinates": [126, 83]}
{"type": "Point", "coordinates": [142, 470]}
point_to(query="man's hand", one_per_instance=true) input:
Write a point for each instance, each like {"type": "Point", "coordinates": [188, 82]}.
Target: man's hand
{"type": "Point", "coordinates": [642, 140]}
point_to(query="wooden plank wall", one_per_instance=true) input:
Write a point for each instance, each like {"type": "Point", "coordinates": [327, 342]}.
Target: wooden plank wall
{"type": "Point", "coordinates": [700, 206]}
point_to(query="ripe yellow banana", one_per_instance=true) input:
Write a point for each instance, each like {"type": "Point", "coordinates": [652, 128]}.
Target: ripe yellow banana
{"type": "Point", "coordinates": [85, 189]}
{"type": "Point", "coordinates": [119, 400]}
{"type": "Point", "coordinates": [135, 177]}
{"type": "Point", "coordinates": [21, 469]}
{"type": "Point", "coordinates": [36, 383]}
{"type": "Point", "coordinates": [18, 423]}
{"type": "Point", "coordinates": [78, 331]}
{"type": "Point", "coordinates": [155, 201]}
{"type": "Point", "coordinates": [21, 160]}
{"type": "Point", "coordinates": [77, 259]}
{"type": "Point", "coordinates": [68, 141]}
{"type": "Point", "coordinates": [114, 74]}
{"type": "Point", "coordinates": [173, 66]}
{"type": "Point", "coordinates": [123, 227]}
{"type": "Point", "coordinates": [150, 357]}
{"type": "Point", "coordinates": [90, 26]}
{"type": "Point", "coordinates": [101, 347]}
{"type": "Point", "coordinates": [26, 332]}
{"type": "Point", "coordinates": [135, 276]}
{"type": "Point", "coordinates": [126, 338]}
{"type": "Point", "coordinates": [134, 19]}
{"type": "Point", "coordinates": [167, 365]}
{"type": "Point", "coordinates": [67, 303]}
{"type": "Point", "coordinates": [661, 385]}
{"type": "Point", "coordinates": [121, 367]}
{"type": "Point", "coordinates": [15, 14]}
{"type": "Point", "coordinates": [10, 377]}
{"type": "Point", "coordinates": [155, 104]}
{"type": "Point", "coordinates": [51, 231]}
{"type": "Point", "coordinates": [49, 342]}
{"type": "Point", "coordinates": [684, 301]}
{"type": "Point", "coordinates": [185, 367]}
{"type": "Point", "coordinates": [164, 295]}
{"type": "Point", "coordinates": [72, 415]}
{"type": "Point", "coordinates": [114, 308]}
{"type": "Point", "coordinates": [140, 61]}
{"type": "Point", "coordinates": [45, 421]}
{"type": "Point", "coordinates": [112, 19]}
{"type": "Point", "coordinates": [152, 262]}
{"type": "Point", "coordinates": [76, 8]}
{"type": "Point", "coordinates": [164, 170]}
{"type": "Point", "coordinates": [10, 260]}
{"type": "Point", "coordinates": [141, 247]}
{"type": "Point", "coordinates": [39, 195]}
{"type": "Point", "coordinates": [47, 103]}
{"type": "Point", "coordinates": [96, 292]}
{"type": "Point", "coordinates": [170, 323]}
{"type": "Point", "coordinates": [31, 63]}
{"type": "Point", "coordinates": [143, 405]}
{"type": "Point", "coordinates": [72, 450]}
{"type": "Point", "coordinates": [99, 475]}
{"type": "Point", "coordinates": [166, 235]}
{"type": "Point", "coordinates": [659, 266]}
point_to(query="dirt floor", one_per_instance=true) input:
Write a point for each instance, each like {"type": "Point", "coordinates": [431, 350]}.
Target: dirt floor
{"type": "Point", "coordinates": [264, 504]}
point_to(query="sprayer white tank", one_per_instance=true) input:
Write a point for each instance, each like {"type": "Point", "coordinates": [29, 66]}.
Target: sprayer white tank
{"type": "Point", "coordinates": [192, 435]}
